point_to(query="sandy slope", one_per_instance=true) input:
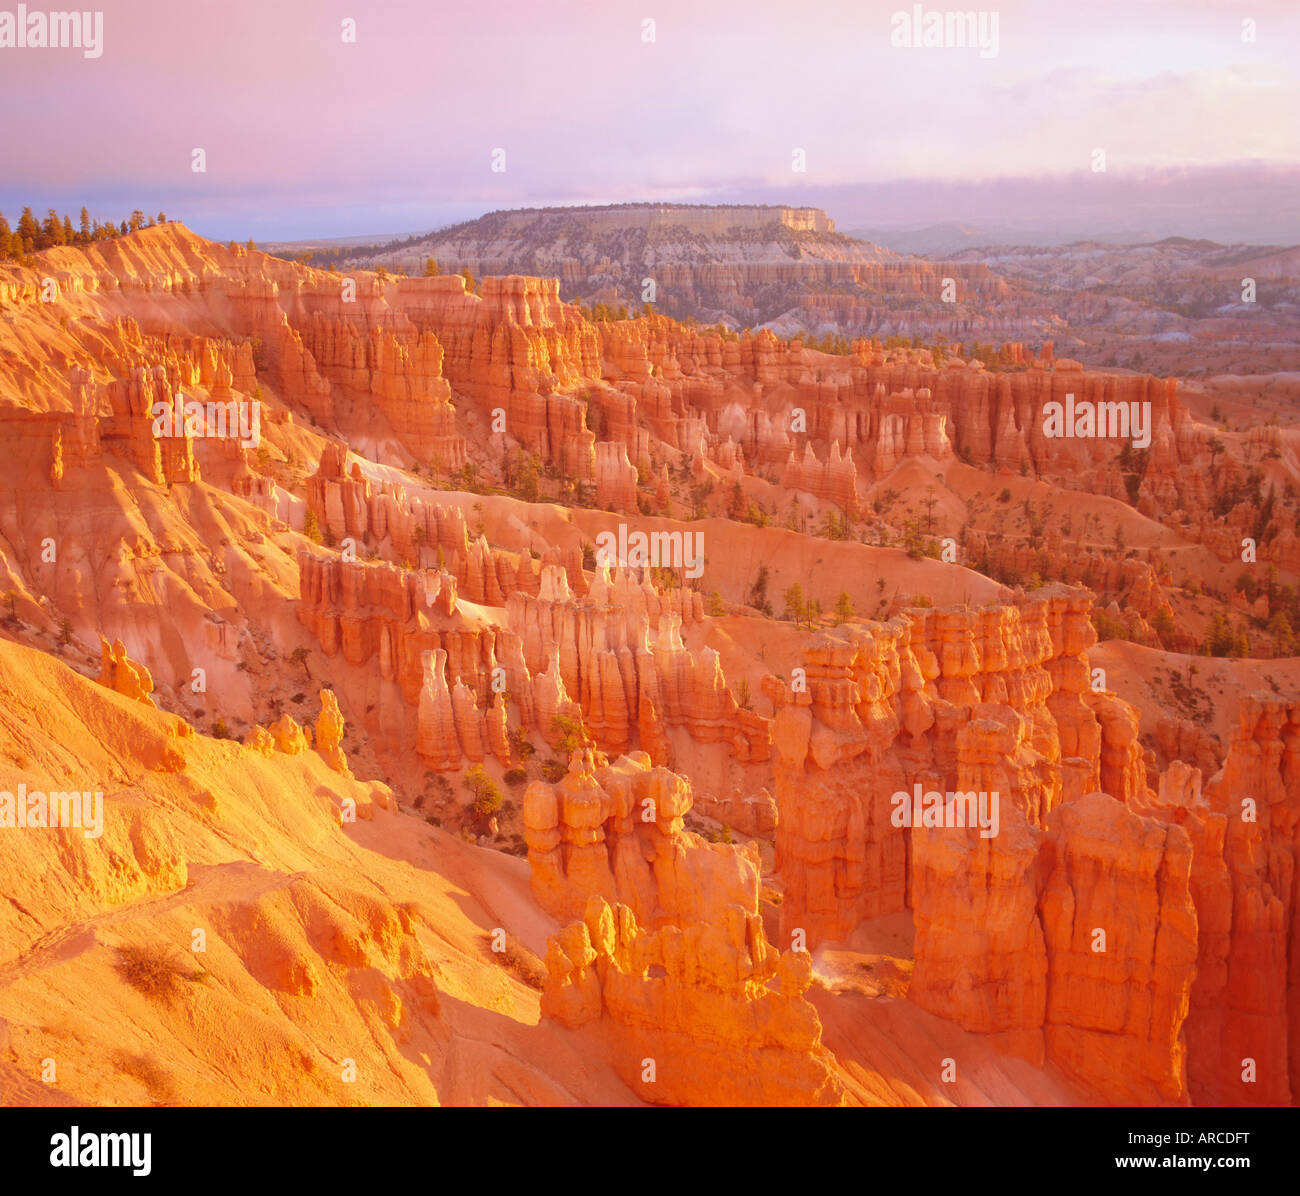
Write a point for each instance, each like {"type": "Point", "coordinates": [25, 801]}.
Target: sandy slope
{"type": "Point", "coordinates": [1142, 676]}
{"type": "Point", "coordinates": [325, 942]}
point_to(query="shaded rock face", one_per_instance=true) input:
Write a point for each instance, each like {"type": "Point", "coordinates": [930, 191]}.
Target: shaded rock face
{"type": "Point", "coordinates": [1243, 1029]}
{"type": "Point", "coordinates": [668, 955]}
{"type": "Point", "coordinates": [1120, 929]}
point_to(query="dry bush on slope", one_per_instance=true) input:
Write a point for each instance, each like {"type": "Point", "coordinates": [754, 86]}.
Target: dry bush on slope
{"type": "Point", "coordinates": [521, 961]}
{"type": "Point", "coordinates": [154, 971]}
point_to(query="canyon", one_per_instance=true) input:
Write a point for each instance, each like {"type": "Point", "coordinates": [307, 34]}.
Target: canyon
{"type": "Point", "coordinates": [467, 813]}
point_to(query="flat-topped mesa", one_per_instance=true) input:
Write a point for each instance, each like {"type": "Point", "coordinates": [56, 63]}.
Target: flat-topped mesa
{"type": "Point", "coordinates": [669, 954]}
{"type": "Point", "coordinates": [932, 698]}
{"type": "Point", "coordinates": [705, 219]}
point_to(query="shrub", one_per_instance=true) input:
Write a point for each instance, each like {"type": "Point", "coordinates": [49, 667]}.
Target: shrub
{"type": "Point", "coordinates": [520, 744]}
{"type": "Point", "coordinates": [487, 795]}
{"type": "Point", "coordinates": [573, 735]}
{"type": "Point", "coordinates": [154, 971]}
{"type": "Point", "coordinates": [521, 961]}
{"type": "Point", "coordinates": [516, 776]}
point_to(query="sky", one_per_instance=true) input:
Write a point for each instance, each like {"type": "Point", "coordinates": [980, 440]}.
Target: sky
{"type": "Point", "coordinates": [306, 134]}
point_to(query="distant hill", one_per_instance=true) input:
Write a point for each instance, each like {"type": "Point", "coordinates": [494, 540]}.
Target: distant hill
{"type": "Point", "coordinates": [743, 265]}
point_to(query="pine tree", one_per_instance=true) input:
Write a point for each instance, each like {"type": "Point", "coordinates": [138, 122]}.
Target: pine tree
{"type": "Point", "coordinates": [430, 268]}
{"type": "Point", "coordinates": [69, 237]}
{"type": "Point", "coordinates": [29, 230]}
{"type": "Point", "coordinates": [795, 606]}
{"type": "Point", "coordinates": [85, 225]}
{"type": "Point", "coordinates": [6, 237]}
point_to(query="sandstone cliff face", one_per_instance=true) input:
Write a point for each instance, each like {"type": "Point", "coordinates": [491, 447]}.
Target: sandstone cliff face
{"type": "Point", "coordinates": [400, 374]}
{"type": "Point", "coordinates": [985, 700]}
{"type": "Point", "coordinates": [616, 831]}
{"type": "Point", "coordinates": [1121, 935]}
{"type": "Point", "coordinates": [1244, 1021]}
{"type": "Point", "coordinates": [835, 479]}
{"type": "Point", "coordinates": [668, 956]}
{"type": "Point", "coordinates": [1075, 944]}
{"type": "Point", "coordinates": [561, 652]}
{"type": "Point", "coordinates": [981, 954]}
{"type": "Point", "coordinates": [1140, 939]}
{"type": "Point", "coordinates": [372, 611]}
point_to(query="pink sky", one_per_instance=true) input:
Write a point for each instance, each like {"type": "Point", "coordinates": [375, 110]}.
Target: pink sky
{"type": "Point", "coordinates": [307, 135]}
